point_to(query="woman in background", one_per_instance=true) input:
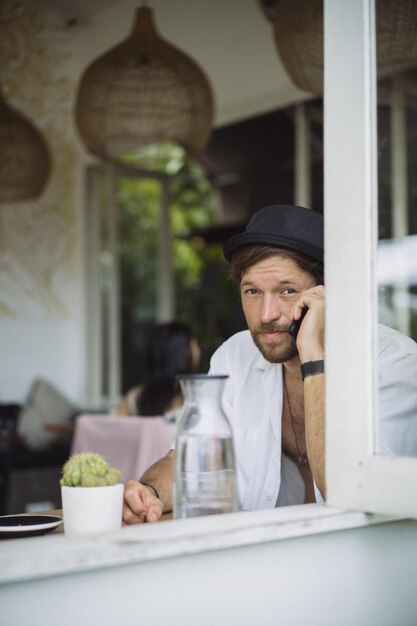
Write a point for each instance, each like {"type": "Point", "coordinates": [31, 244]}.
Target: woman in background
{"type": "Point", "coordinates": [172, 350]}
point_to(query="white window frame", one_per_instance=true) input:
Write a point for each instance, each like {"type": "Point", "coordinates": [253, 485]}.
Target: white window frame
{"type": "Point", "coordinates": [356, 477]}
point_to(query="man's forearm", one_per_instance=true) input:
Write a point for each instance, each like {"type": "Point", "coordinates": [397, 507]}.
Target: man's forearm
{"type": "Point", "coordinates": [314, 401]}
{"type": "Point", "coordinates": [160, 475]}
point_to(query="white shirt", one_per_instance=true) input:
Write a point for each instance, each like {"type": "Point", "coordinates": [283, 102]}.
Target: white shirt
{"type": "Point", "coordinates": [253, 405]}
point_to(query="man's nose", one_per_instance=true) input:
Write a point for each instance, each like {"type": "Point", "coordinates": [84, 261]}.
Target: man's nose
{"type": "Point", "coordinates": [270, 309]}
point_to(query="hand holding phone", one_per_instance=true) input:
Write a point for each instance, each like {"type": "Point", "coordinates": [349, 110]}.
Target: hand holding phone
{"type": "Point", "coordinates": [295, 326]}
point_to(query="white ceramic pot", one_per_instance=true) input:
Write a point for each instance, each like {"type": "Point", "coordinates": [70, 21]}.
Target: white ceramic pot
{"type": "Point", "coordinates": [89, 510]}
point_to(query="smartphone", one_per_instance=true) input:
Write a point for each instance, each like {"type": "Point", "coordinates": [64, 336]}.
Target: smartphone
{"type": "Point", "coordinates": [295, 326]}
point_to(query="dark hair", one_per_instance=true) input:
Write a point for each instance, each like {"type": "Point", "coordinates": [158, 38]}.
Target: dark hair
{"type": "Point", "coordinates": [246, 257]}
{"type": "Point", "coordinates": [157, 395]}
{"type": "Point", "coordinates": [169, 351]}
{"type": "Point", "coordinates": [169, 354]}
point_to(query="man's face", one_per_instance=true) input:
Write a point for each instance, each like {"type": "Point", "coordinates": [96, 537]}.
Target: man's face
{"type": "Point", "coordinates": [269, 289]}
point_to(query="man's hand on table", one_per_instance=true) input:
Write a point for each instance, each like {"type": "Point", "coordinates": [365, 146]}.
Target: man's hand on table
{"type": "Point", "coordinates": [140, 504]}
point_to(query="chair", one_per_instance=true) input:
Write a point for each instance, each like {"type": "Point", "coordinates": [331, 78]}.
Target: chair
{"type": "Point", "coordinates": [132, 444]}
{"type": "Point", "coordinates": [9, 415]}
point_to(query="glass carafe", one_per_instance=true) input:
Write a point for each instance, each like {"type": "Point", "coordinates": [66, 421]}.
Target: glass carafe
{"type": "Point", "coordinates": [205, 472]}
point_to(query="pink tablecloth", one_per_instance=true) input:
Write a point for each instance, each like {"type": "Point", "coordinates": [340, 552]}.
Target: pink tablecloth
{"type": "Point", "coordinates": [131, 444]}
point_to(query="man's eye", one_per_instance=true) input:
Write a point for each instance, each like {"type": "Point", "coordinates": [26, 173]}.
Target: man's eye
{"type": "Point", "coordinates": [288, 291]}
{"type": "Point", "coordinates": [250, 292]}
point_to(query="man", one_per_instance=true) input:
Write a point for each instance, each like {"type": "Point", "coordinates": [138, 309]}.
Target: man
{"type": "Point", "coordinates": [274, 398]}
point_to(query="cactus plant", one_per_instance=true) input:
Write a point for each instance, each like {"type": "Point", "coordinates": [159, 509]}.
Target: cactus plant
{"type": "Point", "coordinates": [87, 469]}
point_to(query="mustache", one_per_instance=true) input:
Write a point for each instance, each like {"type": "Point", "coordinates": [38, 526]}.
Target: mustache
{"type": "Point", "coordinates": [269, 328]}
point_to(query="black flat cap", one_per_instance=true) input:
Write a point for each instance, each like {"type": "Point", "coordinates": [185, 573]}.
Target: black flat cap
{"type": "Point", "coordinates": [284, 226]}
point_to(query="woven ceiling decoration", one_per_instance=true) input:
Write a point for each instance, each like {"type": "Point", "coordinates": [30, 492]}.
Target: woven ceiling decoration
{"type": "Point", "coordinates": [24, 157]}
{"type": "Point", "coordinates": [143, 91]}
{"type": "Point", "coordinates": [298, 32]}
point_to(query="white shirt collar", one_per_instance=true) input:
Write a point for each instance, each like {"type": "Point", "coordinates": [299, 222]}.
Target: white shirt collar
{"type": "Point", "coordinates": [261, 363]}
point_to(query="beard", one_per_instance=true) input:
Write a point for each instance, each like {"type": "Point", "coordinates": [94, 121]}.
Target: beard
{"type": "Point", "coordinates": [280, 351]}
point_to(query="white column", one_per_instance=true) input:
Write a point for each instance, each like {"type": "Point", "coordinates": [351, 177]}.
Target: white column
{"type": "Point", "coordinates": [399, 201]}
{"type": "Point", "coordinates": [94, 322]}
{"type": "Point", "coordinates": [114, 330]}
{"type": "Point", "coordinates": [302, 171]}
{"type": "Point", "coordinates": [350, 212]}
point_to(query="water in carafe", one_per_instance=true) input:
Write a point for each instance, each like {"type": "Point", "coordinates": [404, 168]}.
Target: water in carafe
{"type": "Point", "coordinates": [205, 473]}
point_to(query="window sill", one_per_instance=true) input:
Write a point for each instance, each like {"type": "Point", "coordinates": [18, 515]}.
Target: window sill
{"type": "Point", "coordinates": [55, 554]}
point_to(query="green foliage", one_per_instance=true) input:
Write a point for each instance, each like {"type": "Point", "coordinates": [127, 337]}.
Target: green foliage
{"type": "Point", "coordinates": [205, 299]}
{"type": "Point", "coordinates": [87, 469]}
{"type": "Point", "coordinates": [138, 226]}
{"type": "Point", "coordinates": [165, 157]}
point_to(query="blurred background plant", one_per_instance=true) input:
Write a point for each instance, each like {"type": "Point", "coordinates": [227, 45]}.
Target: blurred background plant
{"type": "Point", "coordinates": [199, 268]}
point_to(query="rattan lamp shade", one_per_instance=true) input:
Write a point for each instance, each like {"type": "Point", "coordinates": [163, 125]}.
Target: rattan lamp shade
{"type": "Point", "coordinates": [141, 92]}
{"type": "Point", "coordinates": [298, 33]}
{"type": "Point", "coordinates": [24, 157]}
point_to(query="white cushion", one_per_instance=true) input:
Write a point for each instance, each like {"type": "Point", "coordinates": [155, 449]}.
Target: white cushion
{"type": "Point", "coordinates": [45, 405]}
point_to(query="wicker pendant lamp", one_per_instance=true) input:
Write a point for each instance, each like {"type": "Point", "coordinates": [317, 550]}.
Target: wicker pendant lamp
{"type": "Point", "coordinates": [24, 157]}
{"type": "Point", "coordinates": [298, 32]}
{"type": "Point", "coordinates": [143, 91]}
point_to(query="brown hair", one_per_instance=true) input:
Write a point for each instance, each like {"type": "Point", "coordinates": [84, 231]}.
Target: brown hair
{"type": "Point", "coordinates": [246, 257]}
